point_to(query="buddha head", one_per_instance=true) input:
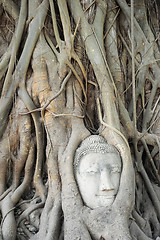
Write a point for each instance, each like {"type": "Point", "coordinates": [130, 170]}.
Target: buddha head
{"type": "Point", "coordinates": [97, 167]}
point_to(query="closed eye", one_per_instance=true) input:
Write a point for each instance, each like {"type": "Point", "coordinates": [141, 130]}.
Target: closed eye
{"type": "Point", "coordinates": [90, 171]}
{"type": "Point", "coordinates": [93, 172]}
{"type": "Point", "coordinates": [116, 169]}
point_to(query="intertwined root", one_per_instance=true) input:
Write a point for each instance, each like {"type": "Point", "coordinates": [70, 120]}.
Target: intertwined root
{"type": "Point", "coordinates": [46, 112]}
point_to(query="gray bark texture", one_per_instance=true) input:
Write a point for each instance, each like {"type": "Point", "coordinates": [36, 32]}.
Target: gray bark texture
{"type": "Point", "coordinates": [70, 69]}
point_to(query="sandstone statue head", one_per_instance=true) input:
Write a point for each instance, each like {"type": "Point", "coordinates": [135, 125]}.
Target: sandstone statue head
{"type": "Point", "coordinates": [97, 167]}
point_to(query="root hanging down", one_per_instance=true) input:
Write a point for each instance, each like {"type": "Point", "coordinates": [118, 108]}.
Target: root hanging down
{"type": "Point", "coordinates": [70, 70]}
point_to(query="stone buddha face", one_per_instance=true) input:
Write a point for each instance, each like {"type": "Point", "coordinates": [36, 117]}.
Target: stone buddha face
{"type": "Point", "coordinates": [98, 172]}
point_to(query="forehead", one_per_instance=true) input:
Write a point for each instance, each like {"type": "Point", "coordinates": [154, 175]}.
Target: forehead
{"type": "Point", "coordinates": [100, 159]}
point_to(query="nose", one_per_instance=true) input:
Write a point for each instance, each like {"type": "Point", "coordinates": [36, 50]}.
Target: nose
{"type": "Point", "coordinates": [105, 181]}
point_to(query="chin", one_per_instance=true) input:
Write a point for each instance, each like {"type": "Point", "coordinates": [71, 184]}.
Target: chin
{"type": "Point", "coordinates": [101, 201]}
{"type": "Point", "coordinates": [105, 202]}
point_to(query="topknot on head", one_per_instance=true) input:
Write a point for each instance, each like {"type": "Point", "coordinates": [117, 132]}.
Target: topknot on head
{"type": "Point", "coordinates": [93, 144]}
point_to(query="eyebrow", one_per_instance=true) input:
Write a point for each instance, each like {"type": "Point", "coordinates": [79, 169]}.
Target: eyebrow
{"type": "Point", "coordinates": [90, 168]}
{"type": "Point", "coordinates": [95, 167]}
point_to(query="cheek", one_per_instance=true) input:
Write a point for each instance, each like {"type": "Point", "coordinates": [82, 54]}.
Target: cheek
{"type": "Point", "coordinates": [87, 184]}
{"type": "Point", "coordinates": [92, 186]}
{"type": "Point", "coordinates": [115, 180]}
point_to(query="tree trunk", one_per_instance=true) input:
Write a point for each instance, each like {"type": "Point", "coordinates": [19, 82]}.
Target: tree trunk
{"type": "Point", "coordinates": [70, 70]}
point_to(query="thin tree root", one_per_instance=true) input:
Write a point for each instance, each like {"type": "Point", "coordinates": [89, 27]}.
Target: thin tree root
{"type": "Point", "coordinates": [108, 126]}
{"type": "Point", "coordinates": [28, 211]}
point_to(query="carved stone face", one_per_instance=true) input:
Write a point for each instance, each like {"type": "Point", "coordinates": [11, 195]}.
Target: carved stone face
{"type": "Point", "coordinates": [98, 178]}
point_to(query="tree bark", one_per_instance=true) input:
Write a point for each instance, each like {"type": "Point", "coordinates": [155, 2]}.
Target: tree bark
{"type": "Point", "coordinates": [68, 70]}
